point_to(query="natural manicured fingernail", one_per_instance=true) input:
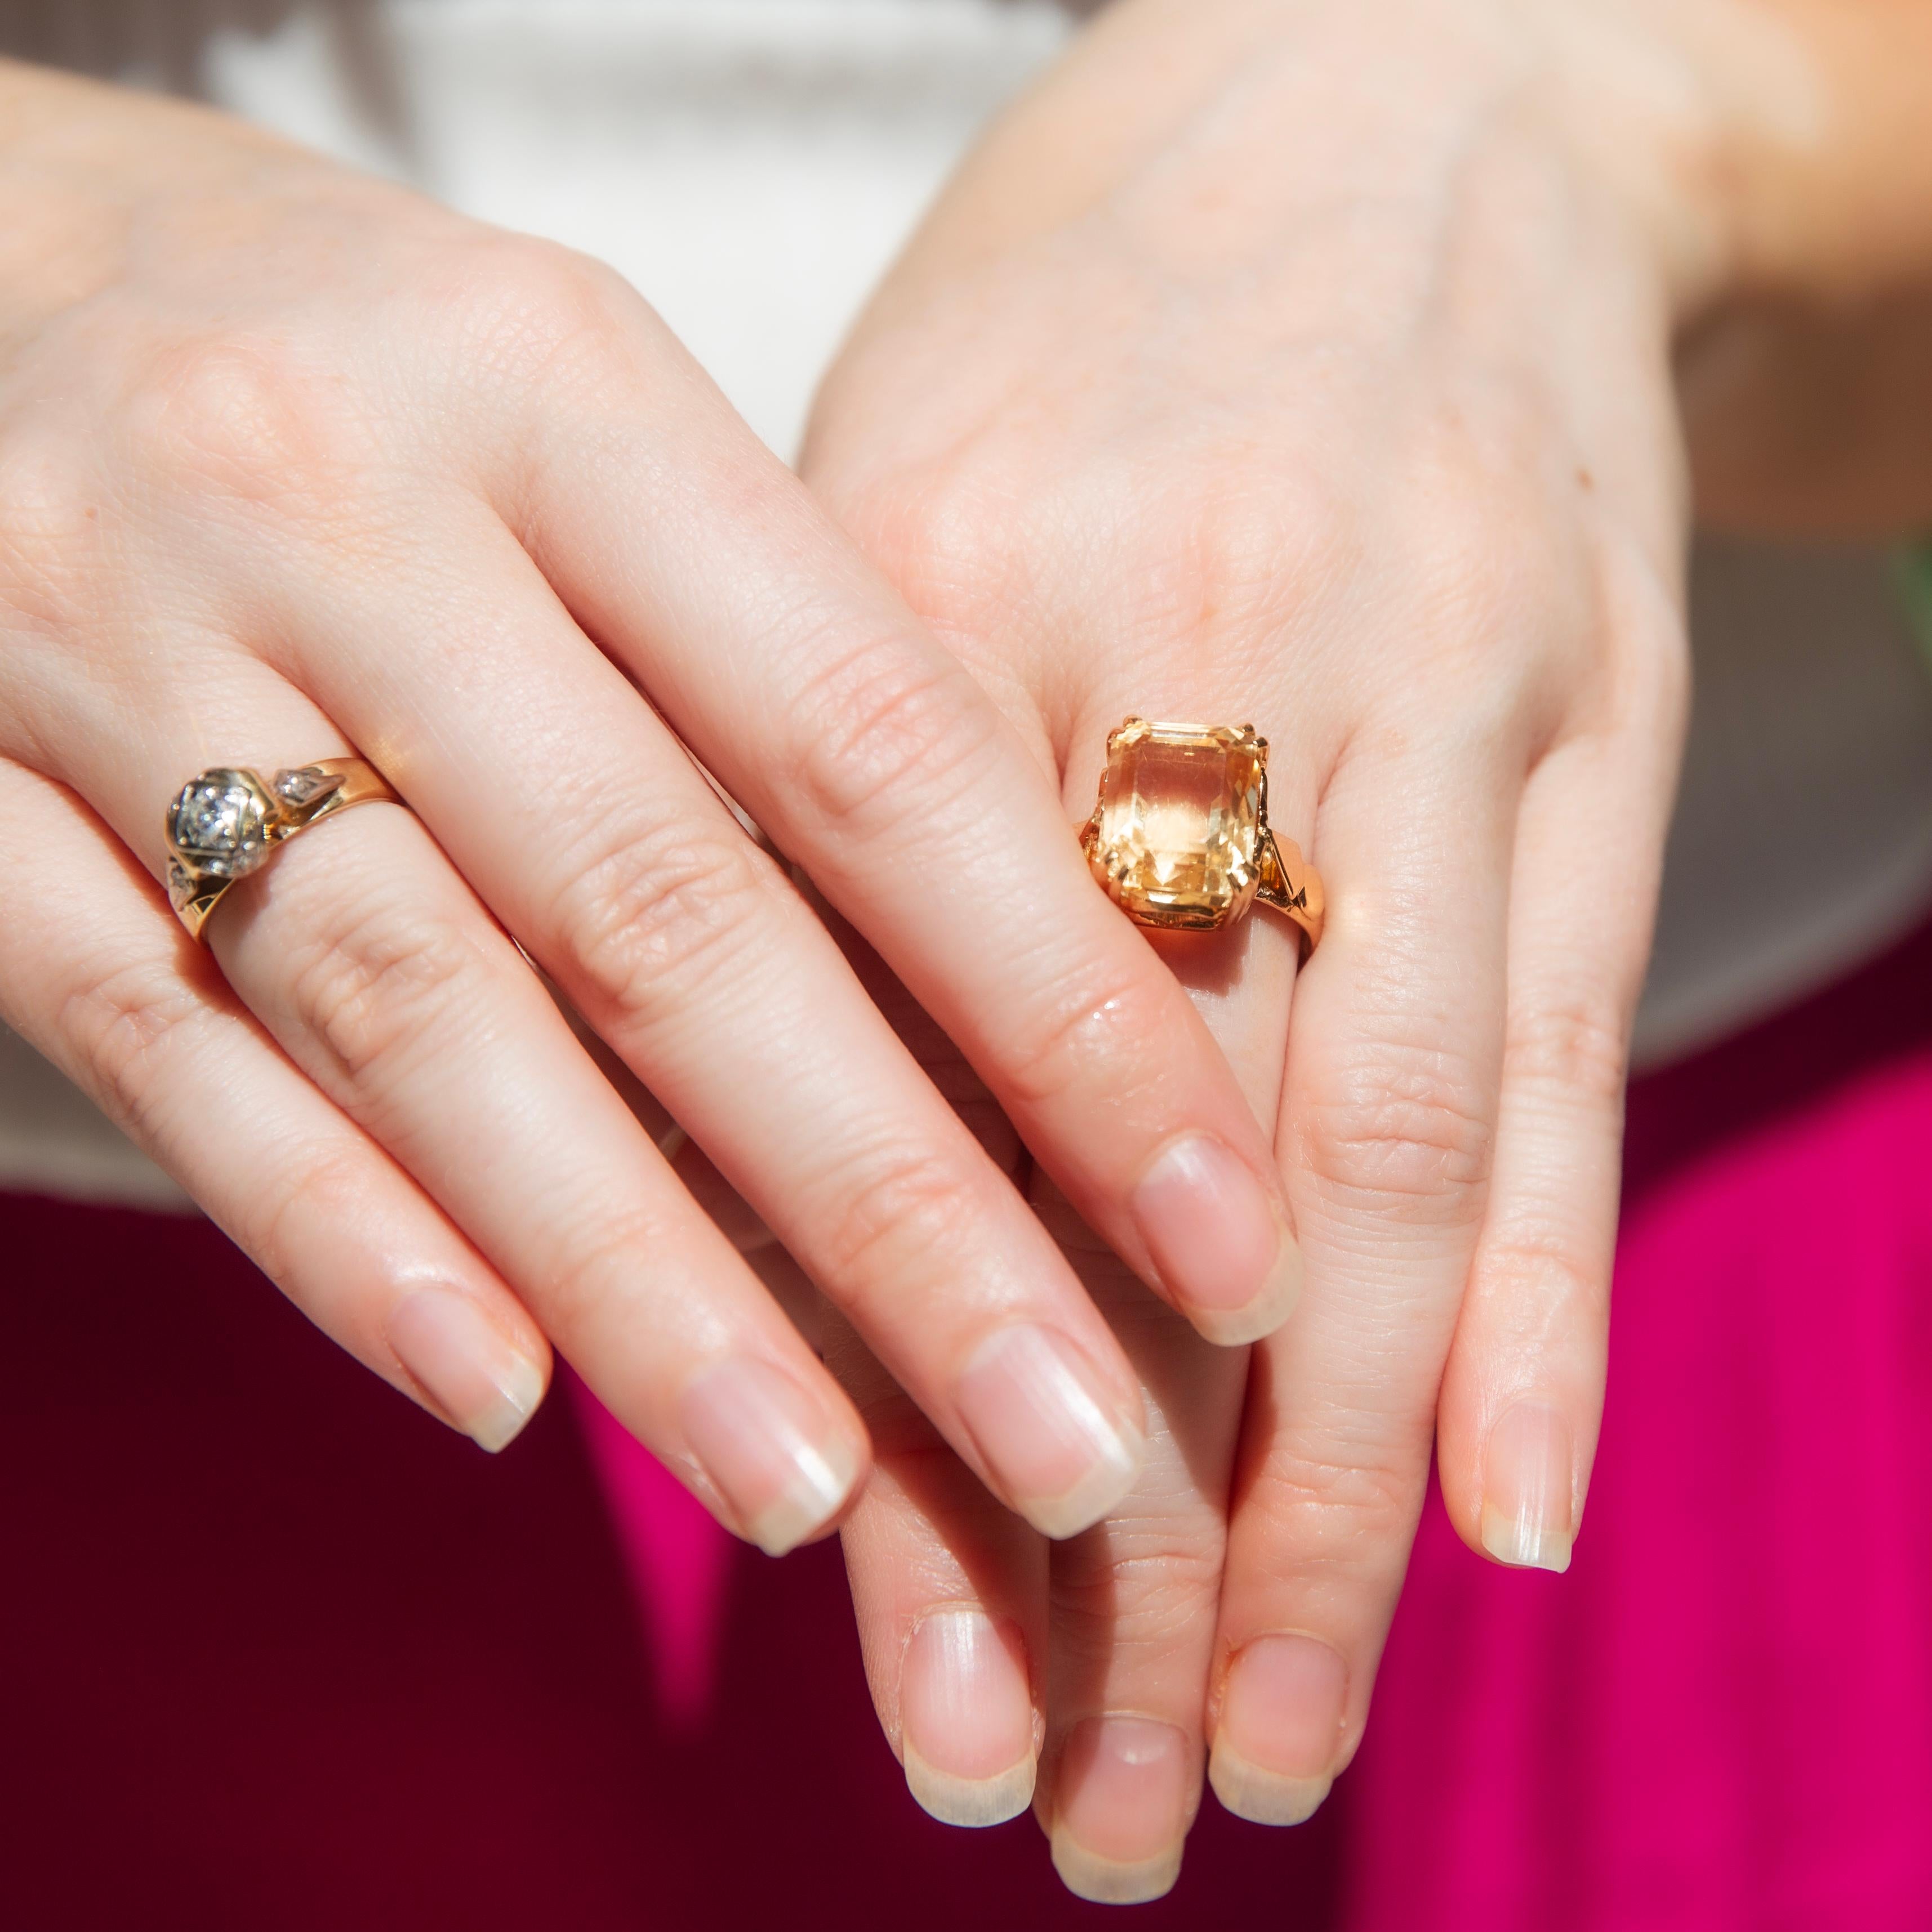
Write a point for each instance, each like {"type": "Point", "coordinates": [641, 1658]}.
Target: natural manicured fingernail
{"type": "Point", "coordinates": [1221, 1246]}
{"type": "Point", "coordinates": [1120, 1804]}
{"type": "Point", "coordinates": [778, 1459]}
{"type": "Point", "coordinates": [1280, 1729]}
{"type": "Point", "coordinates": [1055, 1442]}
{"type": "Point", "coordinates": [1528, 1504]}
{"type": "Point", "coordinates": [487, 1387]}
{"type": "Point", "coordinates": [966, 1720]}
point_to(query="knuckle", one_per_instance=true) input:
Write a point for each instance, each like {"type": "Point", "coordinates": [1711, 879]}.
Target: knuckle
{"type": "Point", "coordinates": [882, 728]}
{"type": "Point", "coordinates": [1403, 1134]}
{"type": "Point", "coordinates": [1247, 555]}
{"type": "Point", "coordinates": [896, 1212]}
{"type": "Point", "coordinates": [1576, 1050]}
{"type": "Point", "coordinates": [122, 1025]}
{"type": "Point", "coordinates": [592, 1262]}
{"type": "Point", "coordinates": [949, 545]}
{"type": "Point", "coordinates": [645, 918]}
{"type": "Point", "coordinates": [244, 419]}
{"type": "Point", "coordinates": [1092, 1031]}
{"type": "Point", "coordinates": [317, 1191]}
{"type": "Point", "coordinates": [379, 992]}
{"type": "Point", "coordinates": [1334, 1512]}
{"type": "Point", "coordinates": [533, 312]}
{"type": "Point", "coordinates": [1136, 1586]}
{"type": "Point", "coordinates": [1537, 1284]}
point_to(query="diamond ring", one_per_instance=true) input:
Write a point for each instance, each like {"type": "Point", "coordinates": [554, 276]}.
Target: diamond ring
{"type": "Point", "coordinates": [227, 822]}
{"type": "Point", "coordinates": [1180, 838]}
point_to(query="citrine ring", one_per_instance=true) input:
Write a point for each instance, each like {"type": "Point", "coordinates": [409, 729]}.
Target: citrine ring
{"type": "Point", "coordinates": [1180, 838]}
{"type": "Point", "coordinates": [228, 823]}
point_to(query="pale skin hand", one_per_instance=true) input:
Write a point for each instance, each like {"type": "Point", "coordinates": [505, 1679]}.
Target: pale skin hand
{"type": "Point", "coordinates": [1309, 366]}
{"type": "Point", "coordinates": [293, 463]}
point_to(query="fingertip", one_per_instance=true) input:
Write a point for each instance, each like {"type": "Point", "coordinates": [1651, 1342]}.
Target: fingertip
{"type": "Point", "coordinates": [1263, 1797]}
{"type": "Point", "coordinates": [479, 1381]}
{"type": "Point", "coordinates": [1061, 1446]}
{"type": "Point", "coordinates": [1528, 1520]}
{"type": "Point", "coordinates": [786, 1471]}
{"type": "Point", "coordinates": [1260, 1317]}
{"type": "Point", "coordinates": [1219, 1240]}
{"type": "Point", "coordinates": [973, 1803]}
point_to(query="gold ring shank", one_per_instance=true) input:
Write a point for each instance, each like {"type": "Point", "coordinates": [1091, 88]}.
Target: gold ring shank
{"type": "Point", "coordinates": [228, 822]}
{"type": "Point", "coordinates": [1179, 838]}
{"type": "Point", "coordinates": [1293, 886]}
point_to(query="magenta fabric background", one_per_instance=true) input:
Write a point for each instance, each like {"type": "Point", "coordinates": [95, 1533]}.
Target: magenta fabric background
{"type": "Point", "coordinates": [282, 1653]}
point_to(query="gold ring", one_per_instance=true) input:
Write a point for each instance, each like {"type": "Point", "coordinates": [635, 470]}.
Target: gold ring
{"type": "Point", "coordinates": [1179, 836]}
{"type": "Point", "coordinates": [228, 822]}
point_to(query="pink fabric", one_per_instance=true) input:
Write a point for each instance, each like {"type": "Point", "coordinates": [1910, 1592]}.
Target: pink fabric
{"type": "Point", "coordinates": [675, 1556]}
{"type": "Point", "coordinates": [1722, 1716]}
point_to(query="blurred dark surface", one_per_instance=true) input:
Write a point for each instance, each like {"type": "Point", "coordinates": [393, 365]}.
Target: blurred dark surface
{"type": "Point", "coordinates": [283, 1653]}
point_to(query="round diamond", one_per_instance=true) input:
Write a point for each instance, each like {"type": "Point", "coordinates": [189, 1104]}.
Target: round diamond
{"type": "Point", "coordinates": [218, 823]}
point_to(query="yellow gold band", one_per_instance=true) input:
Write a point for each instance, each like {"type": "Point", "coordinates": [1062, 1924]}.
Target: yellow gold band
{"type": "Point", "coordinates": [228, 822]}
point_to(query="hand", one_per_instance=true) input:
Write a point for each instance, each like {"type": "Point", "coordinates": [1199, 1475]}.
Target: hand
{"type": "Point", "coordinates": [1307, 366]}
{"type": "Point", "coordinates": [292, 462]}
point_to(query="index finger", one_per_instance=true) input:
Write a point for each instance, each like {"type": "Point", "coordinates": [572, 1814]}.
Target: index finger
{"type": "Point", "coordinates": [703, 567]}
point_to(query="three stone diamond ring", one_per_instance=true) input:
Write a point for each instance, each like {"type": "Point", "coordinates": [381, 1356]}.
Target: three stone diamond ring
{"type": "Point", "coordinates": [1179, 837]}
{"type": "Point", "coordinates": [228, 822]}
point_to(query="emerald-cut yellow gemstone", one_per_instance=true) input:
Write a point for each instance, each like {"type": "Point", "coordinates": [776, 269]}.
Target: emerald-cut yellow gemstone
{"type": "Point", "coordinates": [1178, 839]}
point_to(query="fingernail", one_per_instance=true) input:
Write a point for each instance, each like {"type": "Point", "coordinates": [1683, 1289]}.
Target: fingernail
{"type": "Point", "coordinates": [1120, 1803]}
{"type": "Point", "coordinates": [1221, 1247]}
{"type": "Point", "coordinates": [772, 1454]}
{"type": "Point", "coordinates": [1280, 1729]}
{"type": "Point", "coordinates": [1528, 1485]}
{"type": "Point", "coordinates": [487, 1388]}
{"type": "Point", "coordinates": [966, 1719]}
{"type": "Point", "coordinates": [1053, 1441]}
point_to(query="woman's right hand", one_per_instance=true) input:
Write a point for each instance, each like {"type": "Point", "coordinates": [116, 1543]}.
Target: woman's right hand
{"type": "Point", "coordinates": [293, 463]}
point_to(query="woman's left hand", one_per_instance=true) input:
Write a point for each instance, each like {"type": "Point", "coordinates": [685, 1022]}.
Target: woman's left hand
{"type": "Point", "coordinates": [1306, 366]}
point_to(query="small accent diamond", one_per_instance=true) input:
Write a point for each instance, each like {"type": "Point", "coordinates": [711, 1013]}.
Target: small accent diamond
{"type": "Point", "coordinates": [299, 786]}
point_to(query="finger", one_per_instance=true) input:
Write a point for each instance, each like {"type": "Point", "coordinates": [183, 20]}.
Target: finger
{"type": "Point", "coordinates": [1388, 1121]}
{"type": "Point", "coordinates": [95, 971]}
{"type": "Point", "coordinates": [1132, 1611]}
{"type": "Point", "coordinates": [585, 825]}
{"type": "Point", "coordinates": [1522, 1395]}
{"type": "Point", "coordinates": [871, 756]}
{"type": "Point", "coordinates": [1134, 1602]}
{"type": "Point", "coordinates": [949, 1595]}
{"type": "Point", "coordinates": [374, 967]}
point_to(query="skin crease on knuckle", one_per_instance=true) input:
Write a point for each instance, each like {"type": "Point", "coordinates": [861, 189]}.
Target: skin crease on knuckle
{"type": "Point", "coordinates": [1081, 1026]}
{"type": "Point", "coordinates": [119, 1025]}
{"type": "Point", "coordinates": [537, 325]}
{"type": "Point", "coordinates": [887, 741]}
{"type": "Point", "coordinates": [645, 916]}
{"type": "Point", "coordinates": [385, 988]}
{"type": "Point", "coordinates": [898, 1209]}
{"type": "Point", "coordinates": [1337, 1511]}
{"type": "Point", "coordinates": [1400, 1134]}
{"type": "Point", "coordinates": [1143, 1591]}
